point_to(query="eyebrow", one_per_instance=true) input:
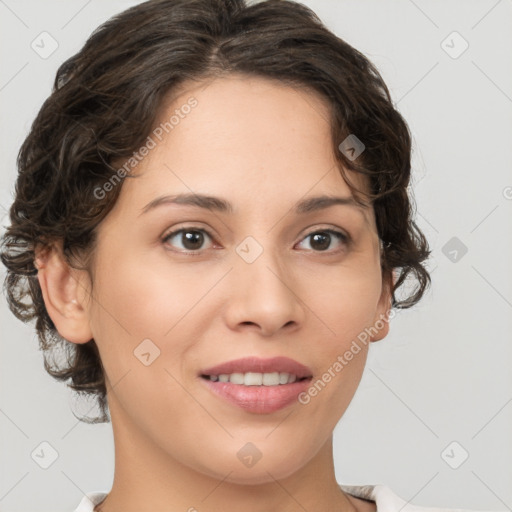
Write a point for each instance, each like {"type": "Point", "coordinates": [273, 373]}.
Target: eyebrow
{"type": "Point", "coordinates": [217, 204]}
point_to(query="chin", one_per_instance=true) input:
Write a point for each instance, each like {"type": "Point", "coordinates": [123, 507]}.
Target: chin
{"type": "Point", "coordinates": [250, 467]}
{"type": "Point", "coordinates": [253, 476]}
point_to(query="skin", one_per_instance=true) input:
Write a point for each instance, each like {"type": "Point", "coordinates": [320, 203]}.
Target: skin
{"type": "Point", "coordinates": [263, 146]}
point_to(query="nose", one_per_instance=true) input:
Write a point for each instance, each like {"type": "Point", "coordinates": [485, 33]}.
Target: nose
{"type": "Point", "coordinates": [263, 296]}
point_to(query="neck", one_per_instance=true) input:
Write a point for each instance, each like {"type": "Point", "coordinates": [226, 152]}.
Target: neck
{"type": "Point", "coordinates": [147, 478]}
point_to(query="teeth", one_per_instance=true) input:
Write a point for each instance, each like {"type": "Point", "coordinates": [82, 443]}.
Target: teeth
{"type": "Point", "coordinates": [255, 379]}
{"type": "Point", "coordinates": [269, 379]}
{"type": "Point", "coordinates": [237, 378]}
{"type": "Point", "coordinates": [248, 379]}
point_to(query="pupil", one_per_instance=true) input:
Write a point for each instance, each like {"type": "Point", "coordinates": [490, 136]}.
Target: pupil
{"type": "Point", "coordinates": [326, 238]}
{"type": "Point", "coordinates": [191, 238]}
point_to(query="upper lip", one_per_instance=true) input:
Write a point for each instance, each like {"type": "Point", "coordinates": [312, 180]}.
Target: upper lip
{"type": "Point", "coordinates": [279, 364]}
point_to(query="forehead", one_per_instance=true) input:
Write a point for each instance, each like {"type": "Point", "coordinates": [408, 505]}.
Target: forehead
{"type": "Point", "coordinates": [244, 136]}
{"type": "Point", "coordinates": [250, 113]}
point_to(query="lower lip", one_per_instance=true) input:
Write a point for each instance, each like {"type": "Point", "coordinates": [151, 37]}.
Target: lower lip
{"type": "Point", "coordinates": [258, 399]}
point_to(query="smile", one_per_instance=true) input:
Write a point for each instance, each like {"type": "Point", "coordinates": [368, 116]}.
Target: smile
{"type": "Point", "coordinates": [257, 385]}
{"type": "Point", "coordinates": [255, 378]}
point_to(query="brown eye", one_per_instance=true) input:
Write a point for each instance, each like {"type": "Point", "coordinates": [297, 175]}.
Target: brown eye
{"type": "Point", "coordinates": [190, 239]}
{"type": "Point", "coordinates": [320, 241]}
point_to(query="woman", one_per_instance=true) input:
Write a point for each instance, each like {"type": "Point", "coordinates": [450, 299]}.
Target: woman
{"type": "Point", "coordinates": [212, 218]}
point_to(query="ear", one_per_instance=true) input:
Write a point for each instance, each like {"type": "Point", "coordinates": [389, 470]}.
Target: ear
{"type": "Point", "coordinates": [381, 320]}
{"type": "Point", "coordinates": [63, 294]}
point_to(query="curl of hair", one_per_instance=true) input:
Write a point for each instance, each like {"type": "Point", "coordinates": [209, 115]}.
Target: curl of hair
{"type": "Point", "coordinates": [105, 100]}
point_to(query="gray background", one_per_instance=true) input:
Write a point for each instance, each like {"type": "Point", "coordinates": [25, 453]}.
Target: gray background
{"type": "Point", "coordinates": [443, 373]}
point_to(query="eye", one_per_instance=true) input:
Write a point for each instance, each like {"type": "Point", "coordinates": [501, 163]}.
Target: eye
{"type": "Point", "coordinates": [321, 240]}
{"type": "Point", "coordinates": [191, 239]}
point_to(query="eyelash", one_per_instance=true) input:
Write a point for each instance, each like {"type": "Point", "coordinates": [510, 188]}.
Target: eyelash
{"type": "Point", "coordinates": [342, 237]}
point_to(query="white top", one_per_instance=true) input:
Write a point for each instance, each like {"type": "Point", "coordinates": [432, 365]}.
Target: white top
{"type": "Point", "coordinates": [385, 499]}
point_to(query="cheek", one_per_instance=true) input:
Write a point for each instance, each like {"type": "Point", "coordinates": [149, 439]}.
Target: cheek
{"type": "Point", "coordinates": [138, 300]}
{"type": "Point", "coordinates": [345, 313]}
{"type": "Point", "coordinates": [143, 309]}
{"type": "Point", "coordinates": [348, 302]}
{"type": "Point", "coordinates": [340, 359]}
{"type": "Point", "coordinates": [136, 309]}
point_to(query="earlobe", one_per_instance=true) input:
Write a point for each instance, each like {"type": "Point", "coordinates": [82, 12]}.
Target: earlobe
{"type": "Point", "coordinates": [60, 288]}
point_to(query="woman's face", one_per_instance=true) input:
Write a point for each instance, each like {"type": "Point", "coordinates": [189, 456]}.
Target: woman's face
{"type": "Point", "coordinates": [180, 288]}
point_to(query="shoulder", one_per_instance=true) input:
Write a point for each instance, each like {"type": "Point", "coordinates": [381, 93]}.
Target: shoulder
{"type": "Point", "coordinates": [90, 500]}
{"type": "Point", "coordinates": [386, 500]}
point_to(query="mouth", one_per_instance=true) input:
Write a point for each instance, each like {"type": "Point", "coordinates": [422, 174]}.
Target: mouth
{"type": "Point", "coordinates": [256, 378]}
{"type": "Point", "coordinates": [258, 385]}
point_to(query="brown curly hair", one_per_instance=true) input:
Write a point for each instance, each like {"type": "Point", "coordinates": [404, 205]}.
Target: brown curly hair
{"type": "Point", "coordinates": [105, 100]}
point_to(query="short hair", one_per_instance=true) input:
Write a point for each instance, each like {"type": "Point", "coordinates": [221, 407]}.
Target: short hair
{"type": "Point", "coordinates": [106, 98]}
